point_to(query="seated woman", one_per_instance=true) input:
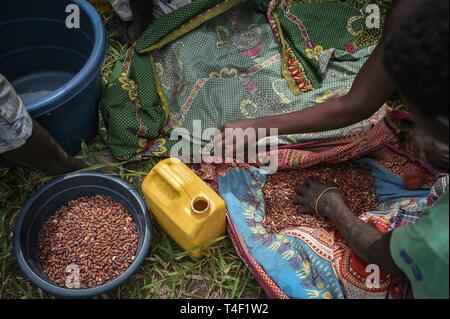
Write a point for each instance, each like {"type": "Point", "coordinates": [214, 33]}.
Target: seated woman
{"type": "Point", "coordinates": [416, 59]}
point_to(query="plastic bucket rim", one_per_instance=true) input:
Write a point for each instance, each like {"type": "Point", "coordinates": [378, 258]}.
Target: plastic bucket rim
{"type": "Point", "coordinates": [84, 76]}
{"type": "Point", "coordinates": [82, 293]}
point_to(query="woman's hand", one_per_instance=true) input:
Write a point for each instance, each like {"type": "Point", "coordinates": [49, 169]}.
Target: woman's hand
{"type": "Point", "coordinates": [308, 195]}
{"type": "Point", "coordinates": [369, 243]}
{"type": "Point", "coordinates": [237, 134]}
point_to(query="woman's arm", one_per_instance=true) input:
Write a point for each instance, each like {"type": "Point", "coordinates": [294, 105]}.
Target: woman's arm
{"type": "Point", "coordinates": [366, 241]}
{"type": "Point", "coordinates": [371, 89]}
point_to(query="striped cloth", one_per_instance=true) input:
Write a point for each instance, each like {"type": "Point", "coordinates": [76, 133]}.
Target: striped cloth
{"type": "Point", "coordinates": [439, 188]}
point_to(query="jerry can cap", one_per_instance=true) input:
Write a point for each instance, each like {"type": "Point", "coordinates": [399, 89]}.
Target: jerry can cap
{"type": "Point", "coordinates": [200, 205]}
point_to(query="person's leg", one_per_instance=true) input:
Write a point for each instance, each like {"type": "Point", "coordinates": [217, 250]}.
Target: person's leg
{"type": "Point", "coordinates": [25, 142]}
{"type": "Point", "coordinates": [41, 152]}
{"type": "Point", "coordinates": [142, 17]}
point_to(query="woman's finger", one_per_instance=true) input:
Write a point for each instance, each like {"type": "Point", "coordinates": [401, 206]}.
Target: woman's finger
{"type": "Point", "coordinates": [304, 210]}
{"type": "Point", "coordinates": [301, 190]}
{"type": "Point", "coordinates": [218, 139]}
{"type": "Point", "coordinates": [299, 200]}
{"type": "Point", "coordinates": [311, 181]}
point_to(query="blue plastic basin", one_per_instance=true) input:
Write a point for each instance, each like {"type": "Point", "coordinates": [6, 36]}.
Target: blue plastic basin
{"type": "Point", "coordinates": [50, 199]}
{"type": "Point", "coordinates": [56, 70]}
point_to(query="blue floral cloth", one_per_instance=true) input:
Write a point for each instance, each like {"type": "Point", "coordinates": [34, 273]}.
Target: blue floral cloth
{"type": "Point", "coordinates": [299, 264]}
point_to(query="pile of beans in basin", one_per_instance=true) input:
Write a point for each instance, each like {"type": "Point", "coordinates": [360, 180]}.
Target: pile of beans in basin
{"type": "Point", "coordinates": [94, 235]}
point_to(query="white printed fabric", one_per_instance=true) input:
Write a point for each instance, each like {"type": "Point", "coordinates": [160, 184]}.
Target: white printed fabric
{"type": "Point", "coordinates": [123, 9]}
{"type": "Point", "coordinates": [16, 125]}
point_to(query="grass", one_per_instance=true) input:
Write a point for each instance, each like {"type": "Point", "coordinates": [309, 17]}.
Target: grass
{"type": "Point", "coordinates": [167, 271]}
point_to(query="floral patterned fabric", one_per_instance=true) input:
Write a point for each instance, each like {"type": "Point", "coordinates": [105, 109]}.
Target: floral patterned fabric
{"type": "Point", "coordinates": [218, 61]}
{"type": "Point", "coordinates": [310, 263]}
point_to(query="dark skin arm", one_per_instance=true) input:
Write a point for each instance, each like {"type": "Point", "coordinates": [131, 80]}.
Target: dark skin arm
{"type": "Point", "coordinates": [366, 241]}
{"type": "Point", "coordinates": [371, 89]}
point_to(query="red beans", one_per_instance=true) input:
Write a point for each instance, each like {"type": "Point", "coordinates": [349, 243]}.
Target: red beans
{"type": "Point", "coordinates": [355, 181]}
{"type": "Point", "coordinates": [93, 238]}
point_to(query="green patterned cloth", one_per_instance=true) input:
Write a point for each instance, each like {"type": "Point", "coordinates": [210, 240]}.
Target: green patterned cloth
{"type": "Point", "coordinates": [229, 64]}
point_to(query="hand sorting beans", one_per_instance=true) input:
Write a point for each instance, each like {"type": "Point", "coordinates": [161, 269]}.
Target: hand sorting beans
{"type": "Point", "coordinates": [94, 234]}
{"type": "Point", "coordinates": [355, 181]}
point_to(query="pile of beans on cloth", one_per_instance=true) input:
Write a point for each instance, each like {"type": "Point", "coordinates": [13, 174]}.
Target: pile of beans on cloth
{"type": "Point", "coordinates": [354, 179]}
{"type": "Point", "coordinates": [93, 237]}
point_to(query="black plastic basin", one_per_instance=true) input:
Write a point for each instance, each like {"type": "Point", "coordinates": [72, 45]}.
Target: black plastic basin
{"type": "Point", "coordinates": [47, 201]}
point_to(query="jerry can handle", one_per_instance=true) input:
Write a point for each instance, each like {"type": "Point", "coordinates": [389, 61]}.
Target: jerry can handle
{"type": "Point", "coordinates": [170, 178]}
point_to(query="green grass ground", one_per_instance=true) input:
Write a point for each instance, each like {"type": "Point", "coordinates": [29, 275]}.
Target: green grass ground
{"type": "Point", "coordinates": [167, 271]}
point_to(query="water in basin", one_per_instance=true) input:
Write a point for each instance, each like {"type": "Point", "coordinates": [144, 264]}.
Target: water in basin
{"type": "Point", "coordinates": [36, 85]}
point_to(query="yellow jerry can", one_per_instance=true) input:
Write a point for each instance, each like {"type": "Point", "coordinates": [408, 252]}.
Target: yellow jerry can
{"type": "Point", "coordinates": [184, 206]}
